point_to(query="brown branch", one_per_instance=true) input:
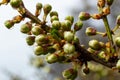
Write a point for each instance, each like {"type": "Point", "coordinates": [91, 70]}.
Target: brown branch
{"type": "Point", "coordinates": [29, 15]}
{"type": "Point", "coordinates": [92, 57]}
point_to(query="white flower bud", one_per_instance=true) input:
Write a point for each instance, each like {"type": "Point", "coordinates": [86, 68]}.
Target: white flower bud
{"type": "Point", "coordinates": [69, 48]}
{"type": "Point", "coordinates": [68, 36]}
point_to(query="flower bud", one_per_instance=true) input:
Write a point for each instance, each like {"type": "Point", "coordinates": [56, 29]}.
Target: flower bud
{"type": "Point", "coordinates": [30, 40]}
{"type": "Point", "coordinates": [117, 41]}
{"type": "Point", "coordinates": [94, 44]}
{"type": "Point", "coordinates": [108, 44]}
{"type": "Point", "coordinates": [84, 16]}
{"type": "Point", "coordinates": [36, 30]}
{"type": "Point", "coordinates": [8, 24]}
{"type": "Point", "coordinates": [68, 36]}
{"type": "Point", "coordinates": [118, 20]}
{"type": "Point", "coordinates": [96, 16]}
{"type": "Point", "coordinates": [38, 6]}
{"type": "Point", "coordinates": [118, 64]}
{"type": "Point", "coordinates": [101, 3]}
{"type": "Point", "coordinates": [69, 48]}
{"type": "Point", "coordinates": [25, 28]}
{"type": "Point", "coordinates": [86, 70]}
{"type": "Point", "coordinates": [53, 13]}
{"type": "Point", "coordinates": [38, 50]}
{"type": "Point", "coordinates": [70, 18]}
{"type": "Point", "coordinates": [41, 39]}
{"type": "Point", "coordinates": [102, 44]}
{"type": "Point", "coordinates": [90, 31]}
{"type": "Point", "coordinates": [102, 54]}
{"type": "Point", "coordinates": [56, 46]}
{"type": "Point", "coordinates": [66, 25]}
{"type": "Point", "coordinates": [54, 18]}
{"type": "Point", "coordinates": [52, 58]}
{"type": "Point", "coordinates": [70, 74]}
{"type": "Point", "coordinates": [78, 25]}
{"type": "Point", "coordinates": [56, 25]}
{"type": "Point", "coordinates": [109, 2]}
{"type": "Point", "coordinates": [106, 10]}
{"type": "Point", "coordinates": [47, 8]}
{"type": "Point", "coordinates": [15, 3]}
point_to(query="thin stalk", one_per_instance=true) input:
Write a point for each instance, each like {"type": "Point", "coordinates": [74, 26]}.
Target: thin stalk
{"type": "Point", "coordinates": [115, 28]}
{"type": "Point", "coordinates": [108, 30]}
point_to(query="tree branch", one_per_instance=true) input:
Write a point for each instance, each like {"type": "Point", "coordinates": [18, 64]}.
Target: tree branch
{"type": "Point", "coordinates": [92, 57]}
{"type": "Point", "coordinates": [28, 14]}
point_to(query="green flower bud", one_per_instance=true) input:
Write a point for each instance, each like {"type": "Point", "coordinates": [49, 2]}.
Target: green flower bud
{"type": "Point", "coordinates": [118, 20]}
{"type": "Point", "coordinates": [40, 39]}
{"type": "Point", "coordinates": [54, 18]}
{"type": "Point", "coordinates": [38, 50]}
{"type": "Point", "coordinates": [15, 3]}
{"type": "Point", "coordinates": [94, 44]}
{"type": "Point", "coordinates": [117, 41]}
{"type": "Point", "coordinates": [70, 74]}
{"type": "Point", "coordinates": [109, 2]}
{"type": "Point", "coordinates": [8, 24]}
{"type": "Point", "coordinates": [25, 28]}
{"type": "Point", "coordinates": [70, 18]}
{"type": "Point", "coordinates": [47, 8]}
{"type": "Point", "coordinates": [36, 30]}
{"type": "Point", "coordinates": [86, 70]}
{"type": "Point", "coordinates": [38, 6]}
{"type": "Point", "coordinates": [68, 36]}
{"type": "Point", "coordinates": [56, 25]}
{"type": "Point", "coordinates": [69, 48]}
{"type": "Point", "coordinates": [78, 25]}
{"type": "Point", "coordinates": [53, 13]}
{"type": "Point", "coordinates": [30, 40]}
{"type": "Point", "coordinates": [56, 46]}
{"type": "Point", "coordinates": [102, 44]}
{"type": "Point", "coordinates": [52, 58]}
{"type": "Point", "coordinates": [66, 25]}
{"type": "Point", "coordinates": [84, 16]}
{"type": "Point", "coordinates": [102, 54]}
{"type": "Point", "coordinates": [118, 64]}
{"type": "Point", "coordinates": [90, 31]}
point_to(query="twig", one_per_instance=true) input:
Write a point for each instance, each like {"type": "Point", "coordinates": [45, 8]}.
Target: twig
{"type": "Point", "coordinates": [92, 57]}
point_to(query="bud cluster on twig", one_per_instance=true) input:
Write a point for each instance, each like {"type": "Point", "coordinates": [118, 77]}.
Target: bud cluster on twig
{"type": "Point", "coordinates": [57, 41]}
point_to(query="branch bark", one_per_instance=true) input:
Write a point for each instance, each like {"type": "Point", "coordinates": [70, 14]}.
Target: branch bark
{"type": "Point", "coordinates": [92, 57]}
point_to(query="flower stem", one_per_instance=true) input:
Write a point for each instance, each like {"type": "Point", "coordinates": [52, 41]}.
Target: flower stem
{"type": "Point", "coordinates": [108, 30]}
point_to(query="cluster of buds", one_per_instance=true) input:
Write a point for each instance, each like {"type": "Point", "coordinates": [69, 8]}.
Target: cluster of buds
{"type": "Point", "coordinates": [57, 41]}
{"type": "Point", "coordinates": [101, 49]}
